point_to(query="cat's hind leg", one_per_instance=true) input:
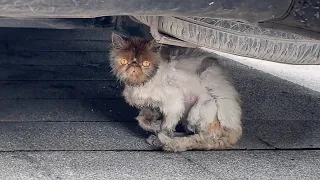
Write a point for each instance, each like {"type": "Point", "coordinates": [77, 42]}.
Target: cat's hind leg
{"type": "Point", "coordinates": [211, 132]}
{"type": "Point", "coordinates": [154, 140]}
{"type": "Point", "coordinates": [216, 137]}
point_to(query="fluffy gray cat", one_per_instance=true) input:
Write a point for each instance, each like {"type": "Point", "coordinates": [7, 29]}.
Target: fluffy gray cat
{"type": "Point", "coordinates": [185, 85]}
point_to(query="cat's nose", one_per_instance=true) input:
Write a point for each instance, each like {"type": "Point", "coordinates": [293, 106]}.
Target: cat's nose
{"type": "Point", "coordinates": [134, 64]}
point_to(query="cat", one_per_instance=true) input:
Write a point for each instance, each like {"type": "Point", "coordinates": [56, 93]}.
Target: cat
{"type": "Point", "coordinates": [190, 86]}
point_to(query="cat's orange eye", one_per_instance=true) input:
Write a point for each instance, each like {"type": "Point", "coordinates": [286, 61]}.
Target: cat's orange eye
{"type": "Point", "coordinates": [123, 61]}
{"type": "Point", "coordinates": [145, 63]}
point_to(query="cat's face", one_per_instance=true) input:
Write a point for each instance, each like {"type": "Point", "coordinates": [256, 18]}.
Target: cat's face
{"type": "Point", "coordinates": [133, 60]}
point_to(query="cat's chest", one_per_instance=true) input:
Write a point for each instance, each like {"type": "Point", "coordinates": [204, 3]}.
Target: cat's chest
{"type": "Point", "coordinates": [142, 96]}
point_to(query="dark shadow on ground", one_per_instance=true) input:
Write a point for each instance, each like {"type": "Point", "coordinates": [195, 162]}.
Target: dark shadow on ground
{"type": "Point", "coordinates": [276, 111]}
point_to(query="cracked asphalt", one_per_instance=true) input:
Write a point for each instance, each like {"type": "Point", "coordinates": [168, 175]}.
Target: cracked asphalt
{"type": "Point", "coordinates": [62, 117]}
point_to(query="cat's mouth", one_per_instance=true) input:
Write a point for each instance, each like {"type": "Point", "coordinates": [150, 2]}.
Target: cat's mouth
{"type": "Point", "coordinates": [134, 71]}
{"type": "Point", "coordinates": [135, 76]}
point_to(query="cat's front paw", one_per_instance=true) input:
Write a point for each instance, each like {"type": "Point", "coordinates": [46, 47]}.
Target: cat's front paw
{"type": "Point", "coordinates": [154, 141]}
{"type": "Point", "coordinates": [149, 123]}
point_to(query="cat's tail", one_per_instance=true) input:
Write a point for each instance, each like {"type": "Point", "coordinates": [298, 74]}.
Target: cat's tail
{"type": "Point", "coordinates": [218, 138]}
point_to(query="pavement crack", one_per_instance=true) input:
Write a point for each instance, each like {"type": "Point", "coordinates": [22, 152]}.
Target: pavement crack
{"type": "Point", "coordinates": [145, 150]}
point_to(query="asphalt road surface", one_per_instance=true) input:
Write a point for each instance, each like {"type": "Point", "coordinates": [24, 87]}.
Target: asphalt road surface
{"type": "Point", "coordinates": [62, 117]}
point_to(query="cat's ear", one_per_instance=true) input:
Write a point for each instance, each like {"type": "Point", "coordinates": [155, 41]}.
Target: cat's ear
{"type": "Point", "coordinates": [118, 42]}
{"type": "Point", "coordinates": [153, 46]}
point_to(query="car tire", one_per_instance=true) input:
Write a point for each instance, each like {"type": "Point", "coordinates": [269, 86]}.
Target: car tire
{"type": "Point", "coordinates": [240, 38]}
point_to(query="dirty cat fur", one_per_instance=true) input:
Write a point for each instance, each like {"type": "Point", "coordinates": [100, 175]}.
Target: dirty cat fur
{"type": "Point", "coordinates": [185, 85]}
